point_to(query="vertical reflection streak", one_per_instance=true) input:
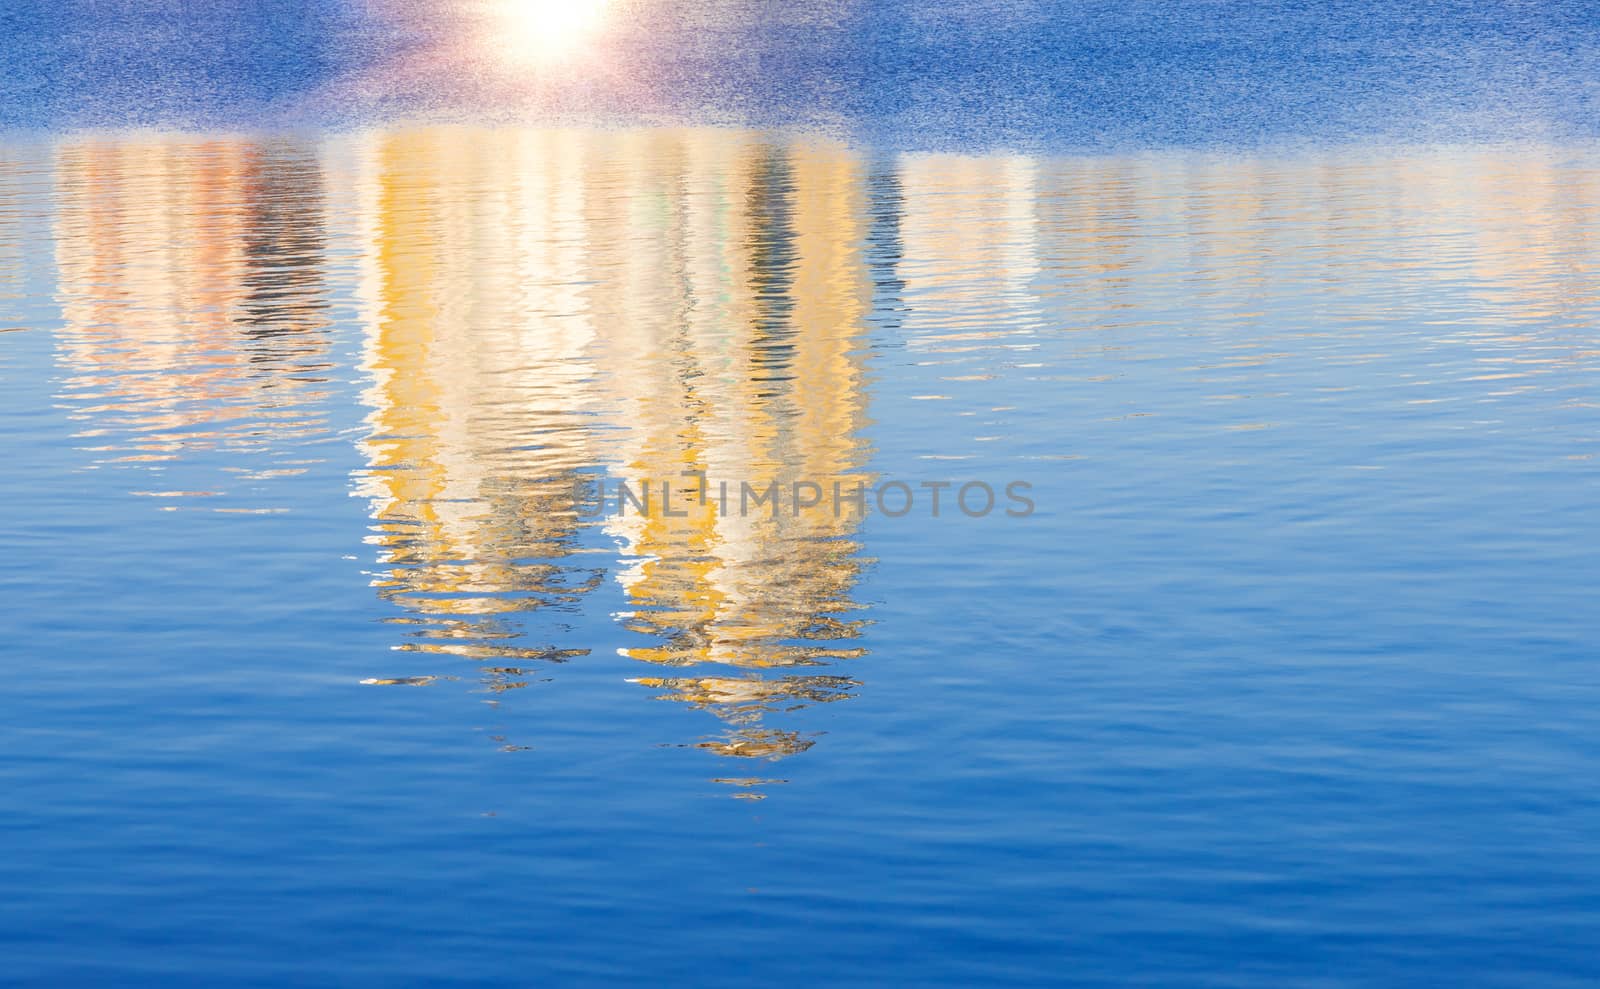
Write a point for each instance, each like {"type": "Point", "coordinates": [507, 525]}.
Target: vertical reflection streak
{"type": "Point", "coordinates": [742, 364]}
{"type": "Point", "coordinates": [475, 347]}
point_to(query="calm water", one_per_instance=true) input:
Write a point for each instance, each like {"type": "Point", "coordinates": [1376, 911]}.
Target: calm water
{"type": "Point", "coordinates": [316, 674]}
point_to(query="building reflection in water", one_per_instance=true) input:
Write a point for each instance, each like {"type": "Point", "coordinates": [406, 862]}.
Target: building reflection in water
{"type": "Point", "coordinates": [540, 310]}
{"type": "Point", "coordinates": [191, 280]}
{"type": "Point", "coordinates": [971, 245]}
{"type": "Point", "coordinates": [481, 391]}
{"type": "Point", "coordinates": [745, 299]}
{"type": "Point", "coordinates": [542, 306]}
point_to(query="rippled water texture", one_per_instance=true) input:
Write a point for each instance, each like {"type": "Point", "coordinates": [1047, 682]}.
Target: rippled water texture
{"type": "Point", "coordinates": [322, 669]}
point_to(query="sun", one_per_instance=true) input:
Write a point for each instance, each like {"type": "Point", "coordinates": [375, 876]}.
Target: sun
{"type": "Point", "coordinates": [543, 30]}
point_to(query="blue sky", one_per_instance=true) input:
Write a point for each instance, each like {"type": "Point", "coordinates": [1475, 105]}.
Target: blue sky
{"type": "Point", "coordinates": [1064, 74]}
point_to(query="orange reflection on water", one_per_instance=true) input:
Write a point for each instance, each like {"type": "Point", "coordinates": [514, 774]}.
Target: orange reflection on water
{"type": "Point", "coordinates": [191, 280]}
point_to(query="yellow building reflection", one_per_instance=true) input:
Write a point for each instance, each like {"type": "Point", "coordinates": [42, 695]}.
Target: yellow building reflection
{"type": "Point", "coordinates": [745, 295]}
{"type": "Point", "coordinates": [542, 304]}
{"type": "Point", "coordinates": [473, 247]}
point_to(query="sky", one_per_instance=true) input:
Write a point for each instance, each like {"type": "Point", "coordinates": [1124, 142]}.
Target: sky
{"type": "Point", "coordinates": [1028, 73]}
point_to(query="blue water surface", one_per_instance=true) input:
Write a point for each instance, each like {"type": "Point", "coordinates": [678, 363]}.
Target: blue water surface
{"type": "Point", "coordinates": [316, 675]}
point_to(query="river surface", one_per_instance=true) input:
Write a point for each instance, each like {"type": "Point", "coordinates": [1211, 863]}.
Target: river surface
{"type": "Point", "coordinates": [335, 656]}
{"type": "Point", "coordinates": [849, 495]}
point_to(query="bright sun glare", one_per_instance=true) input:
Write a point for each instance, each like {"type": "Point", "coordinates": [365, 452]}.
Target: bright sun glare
{"type": "Point", "coordinates": [541, 30]}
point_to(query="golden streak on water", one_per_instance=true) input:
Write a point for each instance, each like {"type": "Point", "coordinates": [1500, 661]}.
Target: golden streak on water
{"type": "Point", "coordinates": [732, 318]}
